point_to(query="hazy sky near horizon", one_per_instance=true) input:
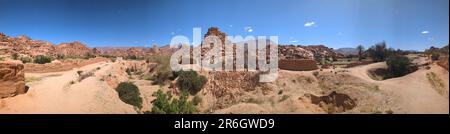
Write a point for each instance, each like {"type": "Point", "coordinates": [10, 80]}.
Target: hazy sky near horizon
{"type": "Point", "coordinates": [404, 24]}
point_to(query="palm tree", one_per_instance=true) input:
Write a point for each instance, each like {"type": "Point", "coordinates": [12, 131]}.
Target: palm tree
{"type": "Point", "coordinates": [360, 52]}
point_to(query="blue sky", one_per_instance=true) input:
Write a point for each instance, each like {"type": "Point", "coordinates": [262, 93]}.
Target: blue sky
{"type": "Point", "coordinates": [404, 24]}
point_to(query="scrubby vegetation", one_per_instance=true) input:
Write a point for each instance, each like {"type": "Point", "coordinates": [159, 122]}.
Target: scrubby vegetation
{"type": "Point", "coordinates": [129, 93]}
{"type": "Point", "coordinates": [398, 65]}
{"type": "Point", "coordinates": [166, 104]}
{"type": "Point", "coordinates": [41, 59]}
{"type": "Point", "coordinates": [378, 52]}
{"type": "Point", "coordinates": [190, 81]}
{"type": "Point", "coordinates": [162, 69]}
{"type": "Point", "coordinates": [437, 83]}
{"type": "Point", "coordinates": [26, 59]}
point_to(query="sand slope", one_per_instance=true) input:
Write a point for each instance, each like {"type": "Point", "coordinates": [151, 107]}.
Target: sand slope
{"type": "Point", "coordinates": [55, 94]}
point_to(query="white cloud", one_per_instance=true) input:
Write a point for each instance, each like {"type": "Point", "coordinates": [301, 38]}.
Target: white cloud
{"type": "Point", "coordinates": [293, 41]}
{"type": "Point", "coordinates": [309, 24]}
{"type": "Point", "coordinates": [230, 25]}
{"type": "Point", "coordinates": [248, 29]}
{"type": "Point", "coordinates": [425, 32]}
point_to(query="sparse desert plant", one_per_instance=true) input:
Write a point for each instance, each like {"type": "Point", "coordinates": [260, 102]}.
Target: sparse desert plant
{"type": "Point", "coordinates": [162, 69]}
{"type": "Point", "coordinates": [196, 100]}
{"type": "Point", "coordinates": [315, 73]}
{"type": "Point", "coordinates": [190, 81]}
{"type": "Point", "coordinates": [84, 75]}
{"type": "Point", "coordinates": [25, 59]}
{"type": "Point", "coordinates": [129, 93]}
{"type": "Point", "coordinates": [389, 112]}
{"type": "Point", "coordinates": [437, 83]}
{"type": "Point", "coordinates": [31, 79]}
{"type": "Point", "coordinates": [42, 59]}
{"type": "Point", "coordinates": [378, 52]}
{"type": "Point", "coordinates": [280, 92]}
{"type": "Point", "coordinates": [165, 104]}
{"type": "Point", "coordinates": [15, 56]}
{"type": "Point", "coordinates": [435, 56]}
{"type": "Point", "coordinates": [283, 98]}
{"type": "Point", "coordinates": [253, 100]}
{"type": "Point", "coordinates": [309, 80]}
{"type": "Point", "coordinates": [72, 82]}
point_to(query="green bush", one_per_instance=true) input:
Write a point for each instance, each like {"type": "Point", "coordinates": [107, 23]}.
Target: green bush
{"type": "Point", "coordinates": [190, 81]}
{"type": "Point", "coordinates": [378, 52]}
{"type": "Point", "coordinates": [165, 104]}
{"type": "Point", "coordinates": [25, 59]}
{"type": "Point", "coordinates": [41, 59]}
{"type": "Point", "coordinates": [435, 56]}
{"type": "Point", "coordinates": [398, 65]}
{"type": "Point", "coordinates": [15, 56]}
{"type": "Point", "coordinates": [129, 93]}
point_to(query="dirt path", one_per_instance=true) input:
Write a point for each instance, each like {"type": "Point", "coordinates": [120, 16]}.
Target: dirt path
{"type": "Point", "coordinates": [62, 93]}
{"type": "Point", "coordinates": [413, 92]}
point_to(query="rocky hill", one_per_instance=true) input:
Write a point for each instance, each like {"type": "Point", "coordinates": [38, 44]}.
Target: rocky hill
{"type": "Point", "coordinates": [23, 45]}
{"type": "Point", "coordinates": [316, 52]}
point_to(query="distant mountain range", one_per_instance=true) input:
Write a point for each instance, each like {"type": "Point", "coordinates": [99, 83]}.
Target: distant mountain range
{"type": "Point", "coordinates": [347, 51]}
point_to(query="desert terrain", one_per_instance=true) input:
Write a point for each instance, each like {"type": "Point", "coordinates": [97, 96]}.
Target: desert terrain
{"type": "Point", "coordinates": [314, 80]}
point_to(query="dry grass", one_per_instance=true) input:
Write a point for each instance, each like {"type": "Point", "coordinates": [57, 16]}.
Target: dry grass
{"type": "Point", "coordinates": [32, 79]}
{"type": "Point", "coordinates": [437, 84]}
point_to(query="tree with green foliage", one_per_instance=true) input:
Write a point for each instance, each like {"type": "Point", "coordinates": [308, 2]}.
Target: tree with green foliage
{"type": "Point", "coordinates": [129, 93]}
{"type": "Point", "coordinates": [190, 81]}
{"type": "Point", "coordinates": [165, 104]}
{"type": "Point", "coordinates": [360, 49]}
{"type": "Point", "coordinates": [378, 52]}
{"type": "Point", "coordinates": [25, 59]}
{"type": "Point", "coordinates": [435, 56]}
{"type": "Point", "coordinates": [42, 59]}
{"type": "Point", "coordinates": [398, 65]}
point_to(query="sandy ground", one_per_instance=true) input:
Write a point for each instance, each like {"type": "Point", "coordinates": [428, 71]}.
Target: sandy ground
{"type": "Point", "coordinates": [410, 94]}
{"type": "Point", "coordinates": [54, 93]}
{"type": "Point", "coordinates": [413, 92]}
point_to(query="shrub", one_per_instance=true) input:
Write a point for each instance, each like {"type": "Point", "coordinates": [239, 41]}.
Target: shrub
{"type": "Point", "coordinates": [315, 73]}
{"type": "Point", "coordinates": [378, 52]}
{"type": "Point", "coordinates": [162, 69]}
{"type": "Point", "coordinates": [25, 59]}
{"type": "Point", "coordinates": [196, 100]}
{"type": "Point", "coordinates": [84, 75]}
{"type": "Point", "coordinates": [398, 65]}
{"type": "Point", "coordinates": [129, 93]}
{"type": "Point", "coordinates": [41, 59]}
{"type": "Point", "coordinates": [165, 104]}
{"type": "Point", "coordinates": [190, 81]}
{"type": "Point", "coordinates": [15, 56]}
{"type": "Point", "coordinates": [283, 98]}
{"type": "Point", "coordinates": [435, 56]}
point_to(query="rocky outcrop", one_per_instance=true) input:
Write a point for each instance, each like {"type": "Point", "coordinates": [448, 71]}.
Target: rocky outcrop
{"type": "Point", "coordinates": [316, 52]}
{"type": "Point", "coordinates": [12, 79]}
{"type": "Point", "coordinates": [74, 49]}
{"type": "Point", "coordinates": [23, 45]}
{"type": "Point", "coordinates": [337, 102]}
